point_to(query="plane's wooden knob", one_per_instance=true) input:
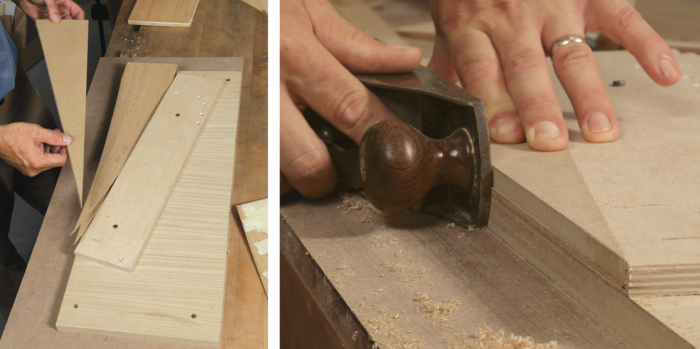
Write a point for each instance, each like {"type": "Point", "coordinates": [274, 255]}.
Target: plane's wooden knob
{"type": "Point", "coordinates": [399, 165]}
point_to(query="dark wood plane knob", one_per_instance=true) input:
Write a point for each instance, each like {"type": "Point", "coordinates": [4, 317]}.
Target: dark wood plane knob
{"type": "Point", "coordinates": [399, 164]}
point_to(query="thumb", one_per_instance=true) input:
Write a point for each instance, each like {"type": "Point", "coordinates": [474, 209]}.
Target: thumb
{"type": "Point", "coordinates": [54, 14]}
{"type": "Point", "coordinates": [357, 51]}
{"type": "Point", "coordinates": [54, 137]}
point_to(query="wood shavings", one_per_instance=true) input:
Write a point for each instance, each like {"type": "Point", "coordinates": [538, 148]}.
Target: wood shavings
{"type": "Point", "coordinates": [461, 235]}
{"type": "Point", "coordinates": [354, 335]}
{"type": "Point", "coordinates": [388, 334]}
{"type": "Point", "coordinates": [436, 311]}
{"type": "Point", "coordinates": [564, 333]}
{"type": "Point", "coordinates": [486, 339]}
{"type": "Point", "coordinates": [398, 254]}
{"type": "Point", "coordinates": [451, 226]}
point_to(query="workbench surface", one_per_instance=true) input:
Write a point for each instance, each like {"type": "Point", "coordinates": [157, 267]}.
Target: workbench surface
{"type": "Point", "coordinates": [221, 28]}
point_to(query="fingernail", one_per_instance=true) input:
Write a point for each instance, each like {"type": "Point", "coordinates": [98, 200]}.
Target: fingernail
{"type": "Point", "coordinates": [505, 125]}
{"type": "Point", "coordinates": [66, 139]}
{"type": "Point", "coordinates": [598, 122]}
{"type": "Point", "coordinates": [399, 48]}
{"type": "Point", "coordinates": [56, 19]}
{"type": "Point", "coordinates": [546, 130]}
{"type": "Point", "coordinates": [667, 68]}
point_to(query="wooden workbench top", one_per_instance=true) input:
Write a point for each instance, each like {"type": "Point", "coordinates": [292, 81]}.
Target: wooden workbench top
{"type": "Point", "coordinates": [221, 28]}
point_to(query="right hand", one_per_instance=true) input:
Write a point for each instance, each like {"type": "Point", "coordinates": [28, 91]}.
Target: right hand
{"type": "Point", "coordinates": [319, 50]}
{"type": "Point", "coordinates": [33, 149]}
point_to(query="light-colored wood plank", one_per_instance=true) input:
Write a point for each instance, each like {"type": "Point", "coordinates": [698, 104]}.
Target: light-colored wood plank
{"type": "Point", "coordinates": [254, 219]}
{"type": "Point", "coordinates": [65, 49]}
{"type": "Point", "coordinates": [183, 266]}
{"type": "Point", "coordinates": [364, 19]}
{"type": "Point", "coordinates": [30, 55]}
{"type": "Point", "coordinates": [258, 5]}
{"type": "Point", "coordinates": [424, 30]}
{"type": "Point", "coordinates": [142, 87]}
{"type": "Point", "coordinates": [164, 13]}
{"type": "Point", "coordinates": [125, 219]}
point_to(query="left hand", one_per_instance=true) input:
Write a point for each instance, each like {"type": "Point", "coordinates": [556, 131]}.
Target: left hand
{"type": "Point", "coordinates": [498, 50]}
{"type": "Point", "coordinates": [55, 10]}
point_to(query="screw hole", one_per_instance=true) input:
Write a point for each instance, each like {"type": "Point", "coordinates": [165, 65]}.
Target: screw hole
{"type": "Point", "coordinates": [178, 114]}
{"type": "Point", "coordinates": [75, 306]}
{"type": "Point", "coordinates": [194, 316]}
{"type": "Point", "coordinates": [115, 226]}
{"type": "Point", "coordinates": [228, 79]}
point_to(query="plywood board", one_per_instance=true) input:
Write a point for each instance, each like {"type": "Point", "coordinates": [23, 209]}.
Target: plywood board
{"type": "Point", "coordinates": [125, 219]}
{"type": "Point", "coordinates": [376, 275]}
{"type": "Point", "coordinates": [424, 30]}
{"type": "Point", "coordinates": [182, 269]}
{"type": "Point", "coordinates": [364, 19]}
{"type": "Point", "coordinates": [254, 219]}
{"type": "Point", "coordinates": [65, 49]}
{"type": "Point", "coordinates": [163, 13]}
{"type": "Point", "coordinates": [142, 87]}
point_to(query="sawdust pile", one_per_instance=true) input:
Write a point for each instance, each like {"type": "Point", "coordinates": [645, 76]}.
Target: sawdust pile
{"type": "Point", "coordinates": [436, 310]}
{"type": "Point", "coordinates": [486, 339]}
{"type": "Point", "coordinates": [390, 335]}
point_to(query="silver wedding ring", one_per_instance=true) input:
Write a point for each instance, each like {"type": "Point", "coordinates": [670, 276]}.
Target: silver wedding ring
{"type": "Point", "coordinates": [568, 40]}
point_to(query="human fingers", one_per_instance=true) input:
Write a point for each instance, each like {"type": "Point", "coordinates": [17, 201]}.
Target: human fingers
{"type": "Point", "coordinates": [75, 10]}
{"type": "Point", "coordinates": [441, 61]}
{"type": "Point", "coordinates": [357, 51]}
{"type": "Point", "coordinates": [313, 75]}
{"type": "Point", "coordinates": [51, 137]}
{"type": "Point", "coordinates": [304, 158]}
{"type": "Point", "coordinates": [527, 77]}
{"type": "Point", "coordinates": [54, 13]}
{"type": "Point", "coordinates": [48, 161]}
{"type": "Point", "coordinates": [480, 72]}
{"type": "Point", "coordinates": [577, 70]}
{"type": "Point", "coordinates": [622, 23]}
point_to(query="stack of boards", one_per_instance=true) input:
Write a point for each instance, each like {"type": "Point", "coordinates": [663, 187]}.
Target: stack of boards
{"type": "Point", "coordinates": [151, 262]}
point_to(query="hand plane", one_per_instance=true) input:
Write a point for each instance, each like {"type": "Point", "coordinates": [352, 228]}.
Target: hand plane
{"type": "Point", "coordinates": [436, 156]}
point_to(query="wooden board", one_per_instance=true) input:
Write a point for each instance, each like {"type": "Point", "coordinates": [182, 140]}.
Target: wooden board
{"type": "Point", "coordinates": [124, 221]}
{"type": "Point", "coordinates": [254, 219]}
{"type": "Point", "coordinates": [142, 87]}
{"type": "Point", "coordinates": [30, 55]}
{"type": "Point", "coordinates": [164, 13]}
{"type": "Point", "coordinates": [362, 17]}
{"type": "Point", "coordinates": [6, 23]}
{"type": "Point", "coordinates": [182, 270]}
{"type": "Point", "coordinates": [258, 5]}
{"type": "Point", "coordinates": [65, 48]}
{"type": "Point", "coordinates": [424, 30]}
{"type": "Point", "coordinates": [369, 272]}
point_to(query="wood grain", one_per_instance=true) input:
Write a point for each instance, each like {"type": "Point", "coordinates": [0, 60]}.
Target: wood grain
{"type": "Point", "coordinates": [366, 274]}
{"type": "Point", "coordinates": [182, 269]}
{"type": "Point", "coordinates": [166, 13]}
{"type": "Point", "coordinates": [142, 87]}
{"type": "Point", "coordinates": [254, 219]}
{"type": "Point", "coordinates": [65, 48]}
{"type": "Point", "coordinates": [125, 219]}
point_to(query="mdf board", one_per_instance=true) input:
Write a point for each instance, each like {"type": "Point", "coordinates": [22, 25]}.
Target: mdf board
{"type": "Point", "coordinates": [410, 280]}
{"type": "Point", "coordinates": [164, 13]}
{"type": "Point", "coordinates": [176, 290]}
{"type": "Point", "coordinates": [125, 219]}
{"type": "Point", "coordinates": [65, 49]}
{"type": "Point", "coordinates": [254, 219]}
{"type": "Point", "coordinates": [142, 87]}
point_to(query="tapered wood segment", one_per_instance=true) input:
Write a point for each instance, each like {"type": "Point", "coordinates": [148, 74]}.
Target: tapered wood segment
{"type": "Point", "coordinates": [141, 90]}
{"type": "Point", "coordinates": [123, 223]}
{"type": "Point", "coordinates": [164, 13]}
{"type": "Point", "coordinates": [254, 219]}
{"type": "Point", "coordinates": [65, 49]}
{"type": "Point", "coordinates": [176, 291]}
{"type": "Point", "coordinates": [399, 165]}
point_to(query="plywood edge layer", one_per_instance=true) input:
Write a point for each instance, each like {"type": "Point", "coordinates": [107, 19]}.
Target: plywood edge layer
{"type": "Point", "coordinates": [605, 302]}
{"type": "Point", "coordinates": [677, 280]}
{"type": "Point", "coordinates": [98, 332]}
{"type": "Point", "coordinates": [572, 237]}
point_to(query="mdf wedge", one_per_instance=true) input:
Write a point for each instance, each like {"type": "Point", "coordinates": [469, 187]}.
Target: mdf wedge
{"type": "Point", "coordinates": [65, 49]}
{"type": "Point", "coordinates": [142, 87]}
{"type": "Point", "coordinates": [164, 13]}
{"type": "Point", "coordinates": [125, 219]}
{"type": "Point", "coordinates": [176, 291]}
{"type": "Point", "coordinates": [254, 219]}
